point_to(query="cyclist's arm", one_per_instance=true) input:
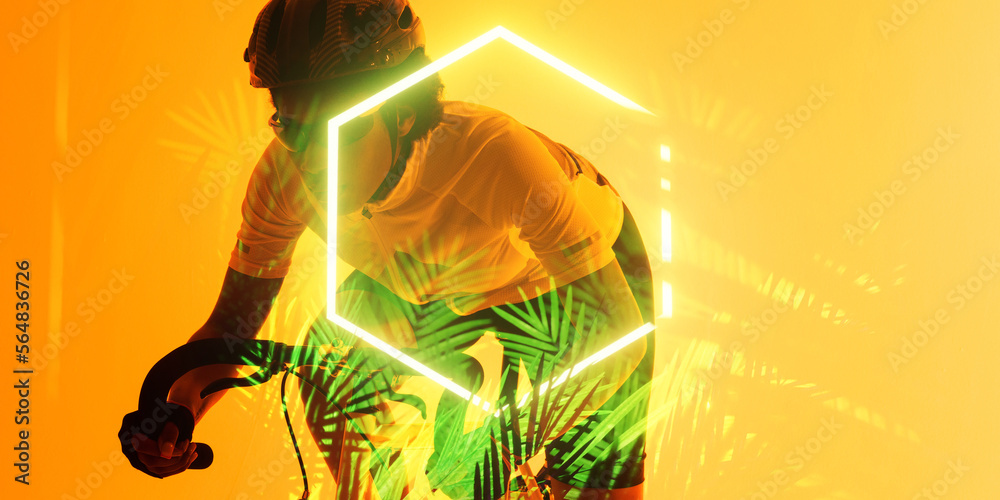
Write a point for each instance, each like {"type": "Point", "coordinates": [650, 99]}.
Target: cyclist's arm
{"type": "Point", "coordinates": [266, 239]}
{"type": "Point", "coordinates": [262, 255]}
{"type": "Point", "coordinates": [612, 313]}
{"type": "Point", "coordinates": [241, 309]}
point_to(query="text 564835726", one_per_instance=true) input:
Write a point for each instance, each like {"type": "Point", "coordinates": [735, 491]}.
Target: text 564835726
{"type": "Point", "coordinates": [23, 375]}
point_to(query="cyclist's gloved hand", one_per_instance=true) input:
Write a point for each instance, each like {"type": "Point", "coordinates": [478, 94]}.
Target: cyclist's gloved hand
{"type": "Point", "coordinates": [167, 450]}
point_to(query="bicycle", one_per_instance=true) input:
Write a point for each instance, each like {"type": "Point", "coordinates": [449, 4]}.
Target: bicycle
{"type": "Point", "coordinates": [272, 358]}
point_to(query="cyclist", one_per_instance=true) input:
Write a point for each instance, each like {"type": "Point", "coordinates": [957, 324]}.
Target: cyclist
{"type": "Point", "coordinates": [454, 216]}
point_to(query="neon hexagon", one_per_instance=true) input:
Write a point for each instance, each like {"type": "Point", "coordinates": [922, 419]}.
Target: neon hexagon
{"type": "Point", "coordinates": [369, 103]}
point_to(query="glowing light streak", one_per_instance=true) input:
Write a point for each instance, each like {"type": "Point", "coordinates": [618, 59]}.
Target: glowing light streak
{"type": "Point", "coordinates": [465, 393]}
{"type": "Point", "coordinates": [593, 359]}
{"type": "Point", "coordinates": [403, 358]}
{"type": "Point", "coordinates": [333, 186]}
{"type": "Point", "coordinates": [412, 79]}
{"type": "Point", "coordinates": [609, 350]}
{"type": "Point", "coordinates": [668, 301]}
{"type": "Point", "coordinates": [666, 229]}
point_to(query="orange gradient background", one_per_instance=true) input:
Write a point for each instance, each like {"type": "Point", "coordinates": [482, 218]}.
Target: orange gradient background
{"type": "Point", "coordinates": [833, 391]}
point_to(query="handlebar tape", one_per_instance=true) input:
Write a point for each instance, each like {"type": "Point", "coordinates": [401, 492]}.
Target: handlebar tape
{"type": "Point", "coordinates": [155, 412]}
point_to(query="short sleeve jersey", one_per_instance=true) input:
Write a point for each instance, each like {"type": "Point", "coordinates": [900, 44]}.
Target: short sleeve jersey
{"type": "Point", "coordinates": [487, 212]}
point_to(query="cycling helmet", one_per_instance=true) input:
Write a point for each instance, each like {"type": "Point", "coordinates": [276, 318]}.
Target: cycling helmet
{"type": "Point", "coordinates": [306, 41]}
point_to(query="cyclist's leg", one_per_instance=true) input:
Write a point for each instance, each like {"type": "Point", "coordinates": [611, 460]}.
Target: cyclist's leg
{"type": "Point", "coordinates": [613, 468]}
{"type": "Point", "coordinates": [344, 441]}
{"type": "Point", "coordinates": [440, 336]}
{"type": "Point", "coordinates": [332, 431]}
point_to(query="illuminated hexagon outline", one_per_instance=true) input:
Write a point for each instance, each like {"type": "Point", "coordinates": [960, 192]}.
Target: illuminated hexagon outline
{"type": "Point", "coordinates": [333, 164]}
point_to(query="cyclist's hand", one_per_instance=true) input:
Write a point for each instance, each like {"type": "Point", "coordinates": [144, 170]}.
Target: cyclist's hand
{"type": "Point", "coordinates": [165, 456]}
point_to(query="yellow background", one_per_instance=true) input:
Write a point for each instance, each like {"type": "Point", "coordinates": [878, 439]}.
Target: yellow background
{"type": "Point", "coordinates": [817, 402]}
